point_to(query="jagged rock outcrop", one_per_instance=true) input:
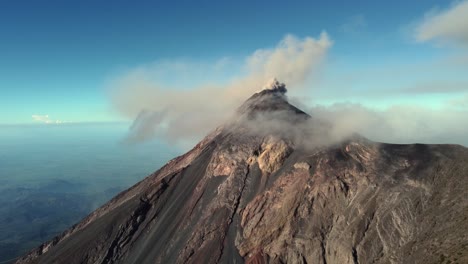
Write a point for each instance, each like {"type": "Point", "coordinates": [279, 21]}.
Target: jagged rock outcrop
{"type": "Point", "coordinates": [250, 193]}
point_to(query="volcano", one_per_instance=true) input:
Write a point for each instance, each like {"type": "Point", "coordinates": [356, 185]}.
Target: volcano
{"type": "Point", "coordinates": [272, 186]}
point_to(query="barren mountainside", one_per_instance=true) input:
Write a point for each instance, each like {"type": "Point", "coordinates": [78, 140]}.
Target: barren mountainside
{"type": "Point", "coordinates": [256, 190]}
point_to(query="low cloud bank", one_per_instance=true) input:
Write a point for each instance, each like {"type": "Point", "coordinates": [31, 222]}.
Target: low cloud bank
{"type": "Point", "coordinates": [45, 119]}
{"type": "Point", "coordinates": [330, 124]}
{"type": "Point", "coordinates": [397, 124]}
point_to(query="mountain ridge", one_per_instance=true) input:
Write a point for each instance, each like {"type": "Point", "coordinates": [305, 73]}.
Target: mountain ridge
{"type": "Point", "coordinates": [253, 191]}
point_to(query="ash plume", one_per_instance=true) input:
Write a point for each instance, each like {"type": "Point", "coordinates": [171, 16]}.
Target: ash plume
{"type": "Point", "coordinates": [188, 114]}
{"type": "Point", "coordinates": [184, 115]}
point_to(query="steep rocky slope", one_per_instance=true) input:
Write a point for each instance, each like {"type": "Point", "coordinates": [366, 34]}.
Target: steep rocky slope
{"type": "Point", "coordinates": [257, 190]}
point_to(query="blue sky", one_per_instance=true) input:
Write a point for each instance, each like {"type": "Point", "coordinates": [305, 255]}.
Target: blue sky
{"type": "Point", "coordinates": [58, 58]}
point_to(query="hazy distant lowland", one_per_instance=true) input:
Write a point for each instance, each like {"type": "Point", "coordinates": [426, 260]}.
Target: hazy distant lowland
{"type": "Point", "coordinates": [51, 176]}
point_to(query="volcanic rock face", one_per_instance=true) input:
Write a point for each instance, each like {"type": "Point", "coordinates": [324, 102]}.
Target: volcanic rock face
{"type": "Point", "coordinates": [249, 193]}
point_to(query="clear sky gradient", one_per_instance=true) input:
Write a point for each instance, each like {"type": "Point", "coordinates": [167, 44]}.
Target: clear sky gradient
{"type": "Point", "coordinates": [57, 58]}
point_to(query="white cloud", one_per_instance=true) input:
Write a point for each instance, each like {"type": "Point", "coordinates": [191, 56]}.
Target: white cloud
{"type": "Point", "coordinates": [191, 112]}
{"type": "Point", "coordinates": [445, 26]}
{"type": "Point", "coordinates": [45, 119]}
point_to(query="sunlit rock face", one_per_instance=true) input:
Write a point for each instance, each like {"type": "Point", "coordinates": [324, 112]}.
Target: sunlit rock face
{"type": "Point", "coordinates": [254, 193]}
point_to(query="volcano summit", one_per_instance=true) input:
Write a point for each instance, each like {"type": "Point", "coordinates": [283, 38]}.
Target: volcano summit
{"type": "Point", "coordinates": [271, 186]}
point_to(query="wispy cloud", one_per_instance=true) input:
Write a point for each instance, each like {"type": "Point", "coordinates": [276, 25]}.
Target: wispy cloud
{"type": "Point", "coordinates": [437, 87]}
{"type": "Point", "coordinates": [45, 119]}
{"type": "Point", "coordinates": [354, 24]}
{"type": "Point", "coordinates": [189, 113]}
{"type": "Point", "coordinates": [445, 26]}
